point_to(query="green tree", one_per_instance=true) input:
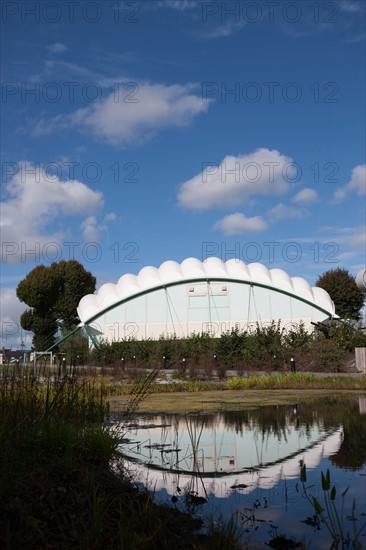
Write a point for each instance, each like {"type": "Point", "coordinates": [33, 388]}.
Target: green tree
{"type": "Point", "coordinates": [342, 289]}
{"type": "Point", "coordinates": [73, 283]}
{"type": "Point", "coordinates": [53, 293]}
{"type": "Point", "coordinates": [76, 348]}
{"type": "Point", "coordinates": [43, 327]}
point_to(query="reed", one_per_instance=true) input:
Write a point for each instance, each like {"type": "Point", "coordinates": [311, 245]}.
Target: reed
{"type": "Point", "coordinates": [63, 483]}
{"type": "Point", "coordinates": [332, 513]}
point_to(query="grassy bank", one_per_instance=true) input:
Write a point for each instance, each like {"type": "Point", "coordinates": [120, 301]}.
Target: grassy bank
{"type": "Point", "coordinates": [63, 483]}
{"type": "Point", "coordinates": [236, 392]}
{"type": "Point", "coordinates": [185, 402]}
{"type": "Point", "coordinates": [300, 381]}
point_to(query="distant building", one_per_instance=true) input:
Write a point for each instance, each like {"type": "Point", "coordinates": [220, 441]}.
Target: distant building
{"type": "Point", "coordinates": [11, 356]}
{"type": "Point", "coordinates": [194, 297]}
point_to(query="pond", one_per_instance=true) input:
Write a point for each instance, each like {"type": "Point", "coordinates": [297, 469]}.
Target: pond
{"type": "Point", "coordinates": [246, 464]}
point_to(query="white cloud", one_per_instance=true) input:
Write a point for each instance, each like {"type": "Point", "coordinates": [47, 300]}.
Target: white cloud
{"type": "Point", "coordinates": [348, 243]}
{"type": "Point", "coordinates": [222, 31]}
{"type": "Point", "coordinates": [180, 5]}
{"type": "Point", "coordinates": [357, 241]}
{"type": "Point", "coordinates": [263, 172]}
{"type": "Point", "coordinates": [359, 37]}
{"type": "Point", "coordinates": [57, 48]}
{"type": "Point", "coordinates": [306, 196]}
{"type": "Point", "coordinates": [92, 230]}
{"type": "Point", "coordinates": [234, 224]}
{"type": "Point", "coordinates": [111, 217]}
{"type": "Point", "coordinates": [38, 199]}
{"type": "Point", "coordinates": [67, 68]}
{"type": "Point", "coordinates": [356, 184]}
{"type": "Point", "coordinates": [339, 195]}
{"type": "Point", "coordinates": [350, 6]}
{"type": "Point", "coordinates": [358, 180]}
{"type": "Point", "coordinates": [11, 333]}
{"type": "Point", "coordinates": [135, 113]}
{"type": "Point", "coordinates": [285, 212]}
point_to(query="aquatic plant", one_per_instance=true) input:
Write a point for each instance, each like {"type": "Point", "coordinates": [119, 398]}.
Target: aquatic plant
{"type": "Point", "coordinates": [331, 517]}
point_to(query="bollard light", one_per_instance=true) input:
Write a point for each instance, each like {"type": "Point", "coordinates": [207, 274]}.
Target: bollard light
{"type": "Point", "coordinates": [293, 364]}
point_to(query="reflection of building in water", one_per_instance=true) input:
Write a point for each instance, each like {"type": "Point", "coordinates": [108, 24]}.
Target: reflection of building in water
{"type": "Point", "coordinates": [255, 457]}
{"type": "Point", "coordinates": [217, 448]}
{"type": "Point", "coordinates": [265, 477]}
{"type": "Point", "coordinates": [223, 461]}
{"type": "Point", "coordinates": [247, 465]}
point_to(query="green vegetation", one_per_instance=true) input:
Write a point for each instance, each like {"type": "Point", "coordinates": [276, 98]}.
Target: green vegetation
{"type": "Point", "coordinates": [63, 482]}
{"type": "Point", "coordinates": [237, 392]}
{"type": "Point", "coordinates": [53, 294]}
{"type": "Point", "coordinates": [295, 381]}
{"type": "Point", "coordinates": [298, 381]}
{"type": "Point", "coordinates": [342, 288]}
{"type": "Point", "coordinates": [263, 348]}
{"type": "Point", "coordinates": [331, 516]}
{"type": "Point", "coordinates": [239, 400]}
{"type": "Point", "coordinates": [113, 386]}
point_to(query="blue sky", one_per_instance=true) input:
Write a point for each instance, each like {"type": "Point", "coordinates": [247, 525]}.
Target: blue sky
{"type": "Point", "coordinates": [136, 132]}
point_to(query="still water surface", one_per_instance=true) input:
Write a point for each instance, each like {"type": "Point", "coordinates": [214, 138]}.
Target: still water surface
{"type": "Point", "coordinates": [247, 463]}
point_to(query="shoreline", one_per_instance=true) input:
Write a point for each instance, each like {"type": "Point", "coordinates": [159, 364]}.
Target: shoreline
{"type": "Point", "coordinates": [218, 400]}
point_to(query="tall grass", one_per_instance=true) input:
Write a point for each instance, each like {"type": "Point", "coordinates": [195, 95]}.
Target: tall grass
{"type": "Point", "coordinates": [48, 428]}
{"type": "Point", "coordinates": [309, 381]}
{"type": "Point", "coordinates": [295, 381]}
{"type": "Point", "coordinates": [62, 480]}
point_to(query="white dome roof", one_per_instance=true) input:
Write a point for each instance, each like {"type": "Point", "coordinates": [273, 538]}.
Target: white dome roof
{"type": "Point", "coordinates": [213, 268]}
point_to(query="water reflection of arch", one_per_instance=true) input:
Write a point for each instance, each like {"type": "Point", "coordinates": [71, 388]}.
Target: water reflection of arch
{"type": "Point", "coordinates": [220, 450]}
{"type": "Point", "coordinates": [247, 481]}
{"type": "Point", "coordinates": [198, 465]}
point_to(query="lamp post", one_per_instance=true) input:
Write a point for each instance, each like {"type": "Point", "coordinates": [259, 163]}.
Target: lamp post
{"type": "Point", "coordinates": [164, 362]}
{"type": "Point", "coordinates": [63, 371]}
{"type": "Point", "coordinates": [184, 364]}
{"type": "Point", "coordinates": [293, 364]}
{"type": "Point", "coordinates": [123, 364]}
{"type": "Point", "coordinates": [134, 361]}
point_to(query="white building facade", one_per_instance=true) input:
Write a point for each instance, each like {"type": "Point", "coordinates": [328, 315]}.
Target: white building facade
{"type": "Point", "coordinates": [194, 297]}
